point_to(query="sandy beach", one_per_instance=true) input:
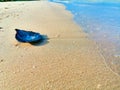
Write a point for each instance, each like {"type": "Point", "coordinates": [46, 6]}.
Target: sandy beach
{"type": "Point", "coordinates": [67, 60]}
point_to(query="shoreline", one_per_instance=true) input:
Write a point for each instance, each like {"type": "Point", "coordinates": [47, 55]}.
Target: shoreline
{"type": "Point", "coordinates": [68, 60]}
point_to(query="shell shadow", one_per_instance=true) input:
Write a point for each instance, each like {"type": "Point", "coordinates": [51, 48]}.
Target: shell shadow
{"type": "Point", "coordinates": [41, 42]}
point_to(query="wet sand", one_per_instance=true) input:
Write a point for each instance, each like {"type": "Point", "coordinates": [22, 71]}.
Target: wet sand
{"type": "Point", "coordinates": [68, 60]}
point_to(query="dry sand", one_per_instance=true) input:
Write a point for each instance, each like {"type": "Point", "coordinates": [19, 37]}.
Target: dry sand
{"type": "Point", "coordinates": [68, 60]}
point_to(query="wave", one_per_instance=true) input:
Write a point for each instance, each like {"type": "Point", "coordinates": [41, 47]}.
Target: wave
{"type": "Point", "coordinates": [87, 1]}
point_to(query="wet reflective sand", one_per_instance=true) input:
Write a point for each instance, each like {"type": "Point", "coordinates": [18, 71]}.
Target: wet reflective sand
{"type": "Point", "coordinates": [102, 22]}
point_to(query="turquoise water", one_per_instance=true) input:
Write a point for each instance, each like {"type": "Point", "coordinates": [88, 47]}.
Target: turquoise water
{"type": "Point", "coordinates": [101, 20]}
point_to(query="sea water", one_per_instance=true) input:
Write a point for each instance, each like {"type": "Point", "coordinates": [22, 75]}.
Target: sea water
{"type": "Point", "coordinates": [101, 20]}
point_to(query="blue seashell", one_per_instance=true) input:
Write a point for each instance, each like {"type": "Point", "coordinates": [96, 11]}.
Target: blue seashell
{"type": "Point", "coordinates": [27, 36]}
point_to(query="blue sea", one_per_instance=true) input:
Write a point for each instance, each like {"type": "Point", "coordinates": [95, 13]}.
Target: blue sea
{"type": "Point", "coordinates": [101, 20]}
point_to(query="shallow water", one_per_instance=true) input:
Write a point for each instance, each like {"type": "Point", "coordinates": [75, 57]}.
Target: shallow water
{"type": "Point", "coordinates": [102, 22]}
